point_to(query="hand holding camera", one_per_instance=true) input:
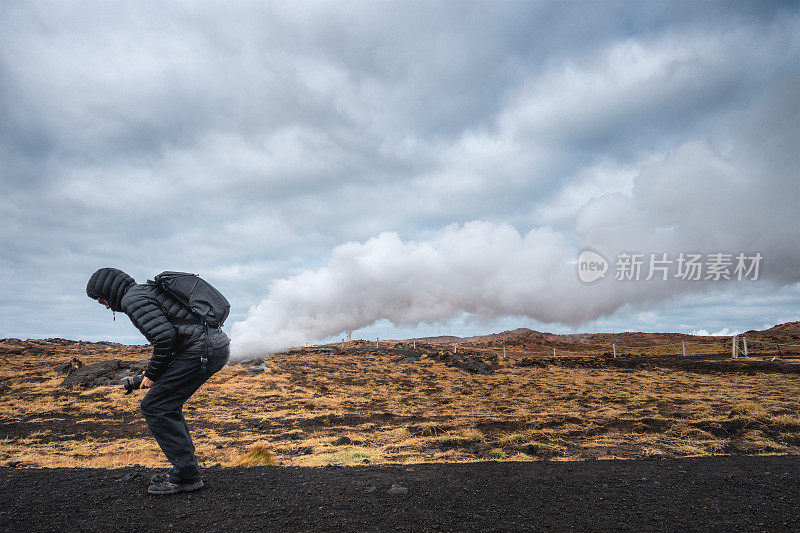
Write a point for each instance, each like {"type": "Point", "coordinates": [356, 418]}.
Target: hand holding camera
{"type": "Point", "coordinates": [136, 382]}
{"type": "Point", "coordinates": [132, 383]}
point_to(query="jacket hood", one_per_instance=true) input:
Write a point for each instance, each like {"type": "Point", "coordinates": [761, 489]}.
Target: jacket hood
{"type": "Point", "coordinates": [111, 284]}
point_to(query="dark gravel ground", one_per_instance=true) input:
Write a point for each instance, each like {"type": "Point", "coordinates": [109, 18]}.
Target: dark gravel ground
{"type": "Point", "coordinates": [721, 493]}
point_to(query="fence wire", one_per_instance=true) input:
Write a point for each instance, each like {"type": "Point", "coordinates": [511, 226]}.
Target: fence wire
{"type": "Point", "coordinates": [772, 343]}
{"type": "Point", "coordinates": [718, 345]}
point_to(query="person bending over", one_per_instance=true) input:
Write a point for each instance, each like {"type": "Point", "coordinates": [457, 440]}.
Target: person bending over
{"type": "Point", "coordinates": [174, 371]}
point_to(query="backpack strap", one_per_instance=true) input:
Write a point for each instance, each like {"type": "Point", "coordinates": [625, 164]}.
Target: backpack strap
{"type": "Point", "coordinates": [195, 319]}
{"type": "Point", "coordinates": [207, 352]}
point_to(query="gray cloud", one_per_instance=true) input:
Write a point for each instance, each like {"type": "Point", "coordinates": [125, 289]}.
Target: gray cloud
{"type": "Point", "coordinates": [248, 142]}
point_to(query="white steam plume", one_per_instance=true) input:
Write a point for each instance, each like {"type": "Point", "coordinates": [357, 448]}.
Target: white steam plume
{"type": "Point", "coordinates": [683, 203]}
{"type": "Point", "coordinates": [482, 268]}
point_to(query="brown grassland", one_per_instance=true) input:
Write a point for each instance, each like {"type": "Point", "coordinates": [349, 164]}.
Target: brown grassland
{"type": "Point", "coordinates": [354, 404]}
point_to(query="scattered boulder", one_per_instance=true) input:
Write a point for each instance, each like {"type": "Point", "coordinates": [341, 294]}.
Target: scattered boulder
{"type": "Point", "coordinates": [397, 490]}
{"type": "Point", "coordinates": [535, 450]}
{"type": "Point", "coordinates": [480, 449]}
{"type": "Point", "coordinates": [532, 449]}
{"type": "Point", "coordinates": [254, 365]}
{"type": "Point", "coordinates": [136, 472]}
{"type": "Point", "coordinates": [258, 369]}
{"type": "Point", "coordinates": [104, 373]}
{"type": "Point", "coordinates": [469, 363]}
{"type": "Point", "coordinates": [69, 367]}
{"type": "Point", "coordinates": [341, 441]}
{"type": "Point", "coordinates": [532, 362]}
{"type": "Point", "coordinates": [406, 356]}
{"type": "Point", "coordinates": [60, 342]}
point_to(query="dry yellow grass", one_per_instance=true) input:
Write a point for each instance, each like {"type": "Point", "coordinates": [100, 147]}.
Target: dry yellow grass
{"type": "Point", "coordinates": [356, 406]}
{"type": "Point", "coordinates": [258, 455]}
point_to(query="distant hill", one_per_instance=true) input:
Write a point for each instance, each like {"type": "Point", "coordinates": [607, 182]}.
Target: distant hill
{"type": "Point", "coordinates": [788, 332]}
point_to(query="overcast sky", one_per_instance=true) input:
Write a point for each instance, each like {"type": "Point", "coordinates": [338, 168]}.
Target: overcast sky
{"type": "Point", "coordinates": [437, 166]}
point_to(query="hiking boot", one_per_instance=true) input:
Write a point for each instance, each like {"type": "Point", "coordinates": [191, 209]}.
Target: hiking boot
{"type": "Point", "coordinates": [168, 487]}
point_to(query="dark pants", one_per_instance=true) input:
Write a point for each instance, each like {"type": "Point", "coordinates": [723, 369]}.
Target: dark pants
{"type": "Point", "coordinates": [162, 406]}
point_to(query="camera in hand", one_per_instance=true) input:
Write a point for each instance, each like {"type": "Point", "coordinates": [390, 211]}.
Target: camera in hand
{"type": "Point", "coordinates": [132, 383]}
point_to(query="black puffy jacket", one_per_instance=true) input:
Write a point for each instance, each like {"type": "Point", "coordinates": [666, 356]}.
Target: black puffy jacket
{"type": "Point", "coordinates": [165, 322]}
